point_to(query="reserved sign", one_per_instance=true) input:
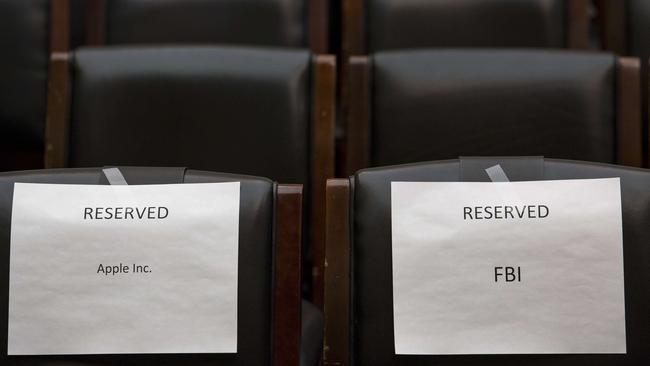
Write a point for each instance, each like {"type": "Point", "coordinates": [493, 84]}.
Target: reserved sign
{"type": "Point", "coordinates": [124, 269]}
{"type": "Point", "coordinates": [508, 268]}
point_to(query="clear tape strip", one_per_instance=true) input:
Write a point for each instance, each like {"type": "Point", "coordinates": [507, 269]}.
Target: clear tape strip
{"type": "Point", "coordinates": [497, 174]}
{"type": "Point", "coordinates": [115, 177]}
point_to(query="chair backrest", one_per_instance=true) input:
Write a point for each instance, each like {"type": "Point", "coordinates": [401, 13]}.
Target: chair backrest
{"type": "Point", "coordinates": [425, 105]}
{"type": "Point", "coordinates": [269, 251]}
{"type": "Point", "coordinates": [240, 110]}
{"type": "Point", "coordinates": [359, 300]}
{"type": "Point", "coordinates": [281, 23]}
{"type": "Point", "coordinates": [25, 44]}
{"type": "Point", "coordinates": [379, 25]}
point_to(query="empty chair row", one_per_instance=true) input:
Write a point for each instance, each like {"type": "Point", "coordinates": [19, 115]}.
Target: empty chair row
{"type": "Point", "coordinates": [390, 24]}
{"type": "Point", "coordinates": [219, 106]}
{"type": "Point", "coordinates": [27, 35]}
{"type": "Point", "coordinates": [367, 25]}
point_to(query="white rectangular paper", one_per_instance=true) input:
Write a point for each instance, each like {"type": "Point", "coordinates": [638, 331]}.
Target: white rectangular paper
{"type": "Point", "coordinates": [563, 293]}
{"type": "Point", "coordinates": [168, 276]}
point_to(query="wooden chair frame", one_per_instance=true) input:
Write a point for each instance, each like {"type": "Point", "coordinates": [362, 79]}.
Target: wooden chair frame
{"type": "Point", "coordinates": [629, 113]}
{"type": "Point", "coordinates": [613, 22]}
{"type": "Point", "coordinates": [287, 276]}
{"type": "Point", "coordinates": [318, 19]}
{"type": "Point", "coordinates": [337, 342]}
{"type": "Point", "coordinates": [358, 118]}
{"type": "Point", "coordinates": [58, 89]}
{"type": "Point", "coordinates": [323, 160]}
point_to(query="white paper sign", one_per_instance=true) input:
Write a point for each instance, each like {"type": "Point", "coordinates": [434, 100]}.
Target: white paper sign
{"type": "Point", "coordinates": [508, 268]}
{"type": "Point", "coordinates": [123, 269]}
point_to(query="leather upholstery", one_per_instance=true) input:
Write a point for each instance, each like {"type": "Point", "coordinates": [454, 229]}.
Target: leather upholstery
{"type": "Point", "coordinates": [432, 105]}
{"type": "Point", "coordinates": [394, 24]}
{"type": "Point", "coordinates": [254, 22]}
{"type": "Point", "coordinates": [212, 108]}
{"type": "Point", "coordinates": [372, 270]}
{"type": "Point", "coordinates": [255, 264]}
{"type": "Point", "coordinates": [639, 28]}
{"type": "Point", "coordinates": [24, 46]}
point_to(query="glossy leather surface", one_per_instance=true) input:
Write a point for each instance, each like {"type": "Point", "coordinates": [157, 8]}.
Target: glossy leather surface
{"type": "Point", "coordinates": [432, 105]}
{"type": "Point", "coordinates": [253, 22]}
{"type": "Point", "coordinates": [401, 24]}
{"type": "Point", "coordinates": [213, 108]}
{"type": "Point", "coordinates": [639, 27]}
{"type": "Point", "coordinates": [372, 269]}
{"type": "Point", "coordinates": [24, 45]}
{"type": "Point", "coordinates": [255, 264]}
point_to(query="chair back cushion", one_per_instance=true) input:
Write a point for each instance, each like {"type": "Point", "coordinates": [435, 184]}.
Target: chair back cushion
{"type": "Point", "coordinates": [221, 109]}
{"type": "Point", "coordinates": [372, 263]}
{"type": "Point", "coordinates": [256, 219]}
{"type": "Point", "coordinates": [433, 105]}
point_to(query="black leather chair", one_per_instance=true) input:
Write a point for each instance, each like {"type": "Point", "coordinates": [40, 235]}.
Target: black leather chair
{"type": "Point", "coordinates": [359, 296]}
{"type": "Point", "coordinates": [24, 45]}
{"type": "Point", "coordinates": [265, 112]}
{"type": "Point", "coordinates": [280, 23]}
{"type": "Point", "coordinates": [379, 25]}
{"type": "Point", "coordinates": [420, 105]}
{"type": "Point", "coordinates": [269, 318]}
